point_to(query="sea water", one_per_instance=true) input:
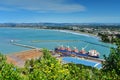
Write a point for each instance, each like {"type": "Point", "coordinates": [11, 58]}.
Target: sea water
{"type": "Point", "coordinates": [82, 61]}
{"type": "Point", "coordinates": [48, 39]}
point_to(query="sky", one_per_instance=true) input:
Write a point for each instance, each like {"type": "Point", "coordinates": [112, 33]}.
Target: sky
{"type": "Point", "coordinates": [60, 11]}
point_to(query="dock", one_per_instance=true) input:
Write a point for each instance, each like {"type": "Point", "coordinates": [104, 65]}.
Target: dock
{"type": "Point", "coordinates": [95, 59]}
{"type": "Point", "coordinates": [65, 54]}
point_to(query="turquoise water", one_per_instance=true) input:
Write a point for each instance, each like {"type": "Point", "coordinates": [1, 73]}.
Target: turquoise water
{"type": "Point", "coordinates": [82, 61]}
{"type": "Point", "coordinates": [26, 36]}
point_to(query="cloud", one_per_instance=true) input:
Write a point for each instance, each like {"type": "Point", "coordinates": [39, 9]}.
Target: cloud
{"type": "Point", "coordinates": [44, 5]}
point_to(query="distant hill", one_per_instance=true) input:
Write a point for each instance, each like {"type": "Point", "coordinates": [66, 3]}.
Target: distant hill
{"type": "Point", "coordinates": [56, 24]}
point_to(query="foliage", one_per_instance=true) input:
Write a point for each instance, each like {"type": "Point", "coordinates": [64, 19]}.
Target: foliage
{"type": "Point", "coordinates": [2, 58]}
{"type": "Point", "coordinates": [48, 68]}
{"type": "Point", "coordinates": [8, 71]}
{"type": "Point", "coordinates": [112, 62]}
{"type": "Point", "coordinates": [104, 37]}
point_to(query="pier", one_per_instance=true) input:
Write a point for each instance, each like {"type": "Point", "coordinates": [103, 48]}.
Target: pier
{"type": "Point", "coordinates": [95, 59]}
{"type": "Point", "coordinates": [22, 45]}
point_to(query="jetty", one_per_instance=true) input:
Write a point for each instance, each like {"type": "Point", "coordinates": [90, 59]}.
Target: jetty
{"type": "Point", "coordinates": [22, 45]}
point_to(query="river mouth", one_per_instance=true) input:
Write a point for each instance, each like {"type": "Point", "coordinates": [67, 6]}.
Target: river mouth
{"type": "Point", "coordinates": [48, 39]}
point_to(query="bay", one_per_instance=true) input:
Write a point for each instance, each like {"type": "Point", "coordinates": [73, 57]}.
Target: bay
{"type": "Point", "coordinates": [49, 39]}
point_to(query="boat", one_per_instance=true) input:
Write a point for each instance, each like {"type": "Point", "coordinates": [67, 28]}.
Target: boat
{"type": "Point", "coordinates": [93, 53]}
{"type": "Point", "coordinates": [68, 48]}
{"type": "Point", "coordinates": [82, 53]}
{"type": "Point", "coordinates": [75, 50]}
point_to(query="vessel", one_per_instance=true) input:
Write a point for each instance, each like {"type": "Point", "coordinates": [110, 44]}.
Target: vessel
{"type": "Point", "coordinates": [67, 51]}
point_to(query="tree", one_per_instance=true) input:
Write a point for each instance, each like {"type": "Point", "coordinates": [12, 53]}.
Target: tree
{"type": "Point", "coordinates": [49, 68]}
{"type": "Point", "coordinates": [8, 71]}
{"type": "Point", "coordinates": [112, 62]}
{"type": "Point", "coordinates": [2, 57]}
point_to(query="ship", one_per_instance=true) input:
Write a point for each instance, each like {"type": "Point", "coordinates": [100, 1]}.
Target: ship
{"type": "Point", "coordinates": [67, 51]}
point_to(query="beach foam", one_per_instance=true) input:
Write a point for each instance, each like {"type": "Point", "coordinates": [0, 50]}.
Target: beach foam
{"type": "Point", "coordinates": [75, 33]}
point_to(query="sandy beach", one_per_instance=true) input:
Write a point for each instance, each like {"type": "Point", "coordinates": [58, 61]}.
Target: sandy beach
{"type": "Point", "coordinates": [19, 58]}
{"type": "Point", "coordinates": [66, 31]}
{"type": "Point", "coordinates": [79, 33]}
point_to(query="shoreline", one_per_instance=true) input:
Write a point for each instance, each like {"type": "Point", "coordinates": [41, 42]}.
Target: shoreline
{"type": "Point", "coordinates": [78, 33]}
{"type": "Point", "coordinates": [60, 30]}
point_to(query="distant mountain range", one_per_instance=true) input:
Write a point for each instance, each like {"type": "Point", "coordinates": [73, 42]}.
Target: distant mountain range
{"type": "Point", "coordinates": [56, 24]}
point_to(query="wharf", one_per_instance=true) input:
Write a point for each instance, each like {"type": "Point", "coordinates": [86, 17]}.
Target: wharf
{"type": "Point", "coordinates": [82, 57]}
{"type": "Point", "coordinates": [95, 59]}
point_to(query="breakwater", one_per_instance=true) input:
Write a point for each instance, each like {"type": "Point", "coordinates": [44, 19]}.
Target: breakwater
{"type": "Point", "coordinates": [22, 45]}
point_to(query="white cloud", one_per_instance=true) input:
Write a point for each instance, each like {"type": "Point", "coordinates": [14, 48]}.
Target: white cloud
{"type": "Point", "coordinates": [44, 5]}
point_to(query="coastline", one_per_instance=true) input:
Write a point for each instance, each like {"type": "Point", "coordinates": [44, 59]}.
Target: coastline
{"type": "Point", "coordinates": [80, 33]}
{"type": "Point", "coordinates": [60, 30]}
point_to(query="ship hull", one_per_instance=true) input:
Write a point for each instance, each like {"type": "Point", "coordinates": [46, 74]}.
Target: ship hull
{"type": "Point", "coordinates": [67, 53]}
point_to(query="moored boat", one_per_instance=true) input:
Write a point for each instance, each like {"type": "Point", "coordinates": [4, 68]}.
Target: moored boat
{"type": "Point", "coordinates": [93, 53]}
{"type": "Point", "coordinates": [67, 51]}
{"type": "Point", "coordinates": [83, 51]}
{"type": "Point", "coordinates": [75, 50]}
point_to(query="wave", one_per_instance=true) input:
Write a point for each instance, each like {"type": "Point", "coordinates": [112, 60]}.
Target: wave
{"type": "Point", "coordinates": [76, 33]}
